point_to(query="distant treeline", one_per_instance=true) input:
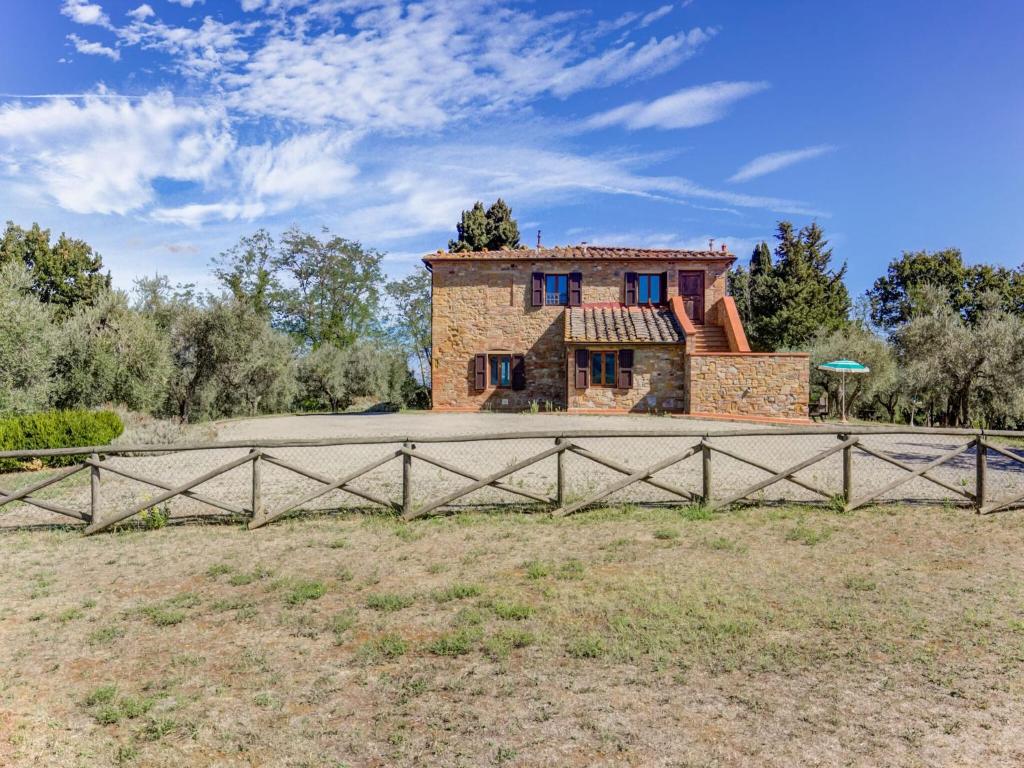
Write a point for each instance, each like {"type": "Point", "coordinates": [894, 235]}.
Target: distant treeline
{"type": "Point", "coordinates": [304, 323]}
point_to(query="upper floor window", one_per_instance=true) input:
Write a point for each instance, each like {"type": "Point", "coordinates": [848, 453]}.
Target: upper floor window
{"type": "Point", "coordinates": [648, 289]}
{"type": "Point", "coordinates": [556, 290]}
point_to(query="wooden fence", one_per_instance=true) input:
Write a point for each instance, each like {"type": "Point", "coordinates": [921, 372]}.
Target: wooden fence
{"type": "Point", "coordinates": [748, 448]}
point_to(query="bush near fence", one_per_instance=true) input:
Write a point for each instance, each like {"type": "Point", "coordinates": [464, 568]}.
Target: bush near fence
{"type": "Point", "coordinates": [56, 429]}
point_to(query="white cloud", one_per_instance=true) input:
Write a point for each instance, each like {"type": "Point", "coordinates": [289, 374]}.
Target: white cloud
{"type": "Point", "coordinates": [656, 14]}
{"type": "Point", "coordinates": [100, 155]}
{"type": "Point", "coordinates": [142, 13]}
{"type": "Point", "coordinates": [187, 3]}
{"type": "Point", "coordinates": [93, 49]}
{"type": "Point", "coordinates": [775, 161]}
{"type": "Point", "coordinates": [84, 12]}
{"type": "Point", "coordinates": [686, 108]}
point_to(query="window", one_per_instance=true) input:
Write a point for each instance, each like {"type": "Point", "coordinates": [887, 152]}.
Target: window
{"type": "Point", "coordinates": [501, 370]}
{"type": "Point", "coordinates": [648, 289]}
{"type": "Point", "coordinates": [602, 369]}
{"type": "Point", "coordinates": [556, 290]}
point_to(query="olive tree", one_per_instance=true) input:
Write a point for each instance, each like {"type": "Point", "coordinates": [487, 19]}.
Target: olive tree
{"type": "Point", "coordinates": [27, 338]}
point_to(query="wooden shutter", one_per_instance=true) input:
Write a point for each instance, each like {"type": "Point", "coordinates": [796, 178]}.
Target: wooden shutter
{"type": "Point", "coordinates": [480, 372]}
{"type": "Point", "coordinates": [582, 368]}
{"type": "Point", "coordinates": [537, 293]}
{"type": "Point", "coordinates": [518, 372]}
{"type": "Point", "coordinates": [630, 297]}
{"type": "Point", "coordinates": [663, 298]}
{"type": "Point", "coordinates": [575, 289]}
{"type": "Point", "coordinates": [625, 375]}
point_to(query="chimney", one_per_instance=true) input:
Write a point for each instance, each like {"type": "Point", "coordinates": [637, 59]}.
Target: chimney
{"type": "Point", "coordinates": [724, 249]}
{"type": "Point", "coordinates": [538, 239]}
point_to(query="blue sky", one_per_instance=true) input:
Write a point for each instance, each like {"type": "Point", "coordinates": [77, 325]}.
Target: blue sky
{"type": "Point", "coordinates": [162, 131]}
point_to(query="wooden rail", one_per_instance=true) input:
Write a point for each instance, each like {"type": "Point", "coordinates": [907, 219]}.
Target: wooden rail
{"type": "Point", "coordinates": [685, 443]}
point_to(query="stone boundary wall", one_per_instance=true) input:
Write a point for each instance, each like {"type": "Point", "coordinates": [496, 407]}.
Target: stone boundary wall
{"type": "Point", "coordinates": [770, 384]}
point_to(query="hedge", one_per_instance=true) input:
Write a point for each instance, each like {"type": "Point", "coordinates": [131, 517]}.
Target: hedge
{"type": "Point", "coordinates": [56, 429]}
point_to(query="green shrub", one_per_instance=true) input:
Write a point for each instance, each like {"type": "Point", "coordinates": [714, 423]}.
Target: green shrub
{"type": "Point", "coordinates": [56, 429]}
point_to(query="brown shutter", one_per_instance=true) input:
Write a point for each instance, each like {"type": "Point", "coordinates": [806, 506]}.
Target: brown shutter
{"type": "Point", "coordinates": [575, 289]}
{"type": "Point", "coordinates": [663, 299]}
{"type": "Point", "coordinates": [480, 372]}
{"type": "Point", "coordinates": [630, 298]}
{"type": "Point", "coordinates": [518, 372]}
{"type": "Point", "coordinates": [625, 375]}
{"type": "Point", "coordinates": [538, 289]}
{"type": "Point", "coordinates": [582, 368]}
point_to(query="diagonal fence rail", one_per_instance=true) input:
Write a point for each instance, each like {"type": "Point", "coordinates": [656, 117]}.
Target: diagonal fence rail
{"type": "Point", "coordinates": [558, 472]}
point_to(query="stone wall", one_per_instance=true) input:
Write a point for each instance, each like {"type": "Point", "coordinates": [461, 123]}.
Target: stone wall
{"type": "Point", "coordinates": [774, 385]}
{"type": "Point", "coordinates": [484, 306]}
{"type": "Point", "coordinates": [658, 382]}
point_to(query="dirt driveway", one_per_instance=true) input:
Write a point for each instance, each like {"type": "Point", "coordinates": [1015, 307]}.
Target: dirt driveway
{"type": "Point", "coordinates": [426, 423]}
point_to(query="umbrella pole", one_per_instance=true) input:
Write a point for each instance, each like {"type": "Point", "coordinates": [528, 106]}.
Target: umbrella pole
{"type": "Point", "coordinates": [842, 389]}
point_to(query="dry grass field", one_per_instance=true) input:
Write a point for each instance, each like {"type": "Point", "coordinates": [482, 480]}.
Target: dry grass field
{"type": "Point", "coordinates": [773, 636]}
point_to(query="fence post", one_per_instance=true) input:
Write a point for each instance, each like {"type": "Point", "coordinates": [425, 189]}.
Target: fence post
{"type": "Point", "coordinates": [257, 500]}
{"type": "Point", "coordinates": [980, 468]}
{"type": "Point", "coordinates": [94, 489]}
{"type": "Point", "coordinates": [705, 455]}
{"type": "Point", "coordinates": [407, 479]}
{"type": "Point", "coordinates": [560, 456]}
{"type": "Point", "coordinates": [847, 471]}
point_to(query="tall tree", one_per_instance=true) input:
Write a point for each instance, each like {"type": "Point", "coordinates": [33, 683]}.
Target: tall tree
{"type": "Point", "coordinates": [246, 270]}
{"type": "Point", "coordinates": [963, 284]}
{"type": "Point", "coordinates": [330, 288]}
{"type": "Point", "coordinates": [490, 230]}
{"type": "Point", "coordinates": [796, 295]}
{"type": "Point", "coordinates": [411, 308]}
{"type": "Point", "coordinates": [64, 275]}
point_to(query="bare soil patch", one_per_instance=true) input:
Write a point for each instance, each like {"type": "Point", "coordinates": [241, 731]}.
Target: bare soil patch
{"type": "Point", "coordinates": [769, 636]}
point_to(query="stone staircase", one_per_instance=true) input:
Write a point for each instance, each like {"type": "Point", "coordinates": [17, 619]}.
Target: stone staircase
{"type": "Point", "coordinates": [709, 338]}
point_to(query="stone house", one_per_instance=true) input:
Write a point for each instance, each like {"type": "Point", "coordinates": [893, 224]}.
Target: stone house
{"type": "Point", "coordinates": [597, 329]}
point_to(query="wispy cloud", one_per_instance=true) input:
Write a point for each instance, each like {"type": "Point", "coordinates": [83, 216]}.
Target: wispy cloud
{"type": "Point", "coordinates": [93, 49]}
{"type": "Point", "coordinates": [95, 155]}
{"type": "Point", "coordinates": [141, 13]}
{"type": "Point", "coordinates": [686, 108]}
{"type": "Point", "coordinates": [776, 161]}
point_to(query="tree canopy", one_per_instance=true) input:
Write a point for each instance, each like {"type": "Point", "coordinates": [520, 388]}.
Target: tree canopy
{"type": "Point", "coordinates": [784, 302]}
{"type": "Point", "coordinates": [963, 285]}
{"type": "Point", "coordinates": [490, 230]}
{"type": "Point", "coordinates": [64, 274]}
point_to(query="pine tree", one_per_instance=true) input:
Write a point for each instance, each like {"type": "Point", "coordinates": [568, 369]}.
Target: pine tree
{"type": "Point", "coordinates": [489, 230]}
{"type": "Point", "coordinates": [789, 300]}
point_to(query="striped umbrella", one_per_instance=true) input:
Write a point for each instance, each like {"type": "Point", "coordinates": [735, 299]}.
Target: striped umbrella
{"type": "Point", "coordinates": [844, 367]}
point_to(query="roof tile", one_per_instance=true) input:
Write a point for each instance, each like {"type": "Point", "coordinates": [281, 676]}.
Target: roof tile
{"type": "Point", "coordinates": [605, 323]}
{"type": "Point", "coordinates": [581, 252]}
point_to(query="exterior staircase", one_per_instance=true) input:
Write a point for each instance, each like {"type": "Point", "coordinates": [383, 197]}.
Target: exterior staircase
{"type": "Point", "coordinates": [708, 339]}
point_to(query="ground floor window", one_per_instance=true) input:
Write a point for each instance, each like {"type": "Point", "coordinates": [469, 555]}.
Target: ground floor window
{"type": "Point", "coordinates": [501, 370]}
{"type": "Point", "coordinates": [602, 368]}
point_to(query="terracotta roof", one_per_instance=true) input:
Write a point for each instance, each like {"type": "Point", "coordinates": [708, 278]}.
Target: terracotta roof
{"type": "Point", "coordinates": [612, 323]}
{"type": "Point", "coordinates": [581, 252]}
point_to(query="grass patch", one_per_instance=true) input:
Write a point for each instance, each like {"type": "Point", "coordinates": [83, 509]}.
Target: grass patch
{"type": "Point", "coordinates": [456, 592]}
{"type": "Point", "coordinates": [304, 591]}
{"type": "Point", "coordinates": [511, 611]}
{"type": "Point", "coordinates": [388, 602]}
{"type": "Point", "coordinates": [385, 647]}
{"type": "Point", "coordinates": [454, 643]}
{"type": "Point", "coordinates": [588, 647]}
{"type": "Point", "coordinates": [666, 534]}
{"type": "Point", "coordinates": [808, 535]}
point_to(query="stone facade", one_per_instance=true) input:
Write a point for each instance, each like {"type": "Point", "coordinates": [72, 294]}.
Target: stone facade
{"type": "Point", "coordinates": [482, 306]}
{"type": "Point", "coordinates": [658, 382]}
{"type": "Point", "coordinates": [748, 384]}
